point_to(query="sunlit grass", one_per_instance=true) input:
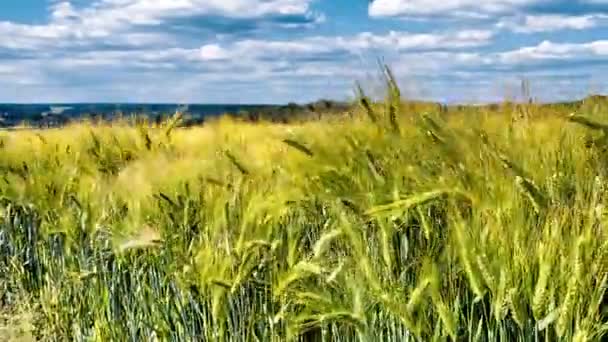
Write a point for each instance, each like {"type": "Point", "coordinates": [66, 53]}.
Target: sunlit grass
{"type": "Point", "coordinates": [394, 223]}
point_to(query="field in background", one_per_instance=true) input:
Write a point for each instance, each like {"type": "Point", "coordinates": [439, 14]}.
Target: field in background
{"type": "Point", "coordinates": [395, 222]}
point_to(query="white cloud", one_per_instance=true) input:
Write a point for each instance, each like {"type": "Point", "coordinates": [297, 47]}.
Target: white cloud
{"type": "Point", "coordinates": [59, 36]}
{"type": "Point", "coordinates": [119, 21]}
{"type": "Point", "coordinates": [117, 15]}
{"type": "Point", "coordinates": [461, 8]}
{"type": "Point", "coordinates": [306, 61]}
{"type": "Point", "coordinates": [548, 50]}
{"type": "Point", "coordinates": [403, 40]}
{"type": "Point", "coordinates": [213, 52]}
{"type": "Point", "coordinates": [548, 23]}
{"type": "Point", "coordinates": [267, 71]}
{"type": "Point", "coordinates": [137, 50]}
{"type": "Point", "coordinates": [391, 8]}
{"type": "Point", "coordinates": [275, 54]}
{"type": "Point", "coordinates": [63, 11]}
{"type": "Point", "coordinates": [393, 40]}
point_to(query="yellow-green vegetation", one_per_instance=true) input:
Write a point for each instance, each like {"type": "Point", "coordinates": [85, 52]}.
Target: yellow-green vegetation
{"type": "Point", "coordinates": [394, 223]}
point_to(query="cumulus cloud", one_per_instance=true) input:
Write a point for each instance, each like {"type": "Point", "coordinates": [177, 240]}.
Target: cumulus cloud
{"type": "Point", "coordinates": [153, 10]}
{"type": "Point", "coordinates": [381, 8]}
{"type": "Point", "coordinates": [271, 50]}
{"type": "Point", "coordinates": [299, 70]}
{"type": "Point", "coordinates": [308, 61]}
{"type": "Point", "coordinates": [115, 13]}
{"type": "Point", "coordinates": [548, 50]}
{"type": "Point", "coordinates": [139, 22]}
{"type": "Point", "coordinates": [393, 40]}
{"type": "Point", "coordinates": [331, 49]}
{"type": "Point", "coordinates": [478, 9]}
{"type": "Point", "coordinates": [552, 22]}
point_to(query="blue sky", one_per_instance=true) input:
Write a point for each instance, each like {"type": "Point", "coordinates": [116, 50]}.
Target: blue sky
{"type": "Point", "coordinates": [277, 51]}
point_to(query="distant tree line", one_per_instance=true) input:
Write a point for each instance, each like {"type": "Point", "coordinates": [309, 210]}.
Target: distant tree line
{"type": "Point", "coordinates": [283, 113]}
{"type": "Point", "coordinates": [268, 113]}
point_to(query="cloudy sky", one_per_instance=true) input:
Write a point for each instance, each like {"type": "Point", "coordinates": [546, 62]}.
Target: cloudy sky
{"type": "Point", "coordinates": [276, 51]}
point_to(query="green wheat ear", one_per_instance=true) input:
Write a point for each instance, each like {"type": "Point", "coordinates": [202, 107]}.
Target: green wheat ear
{"type": "Point", "coordinates": [239, 166]}
{"type": "Point", "coordinates": [531, 191]}
{"type": "Point", "coordinates": [366, 104]}
{"type": "Point", "coordinates": [145, 136]}
{"type": "Point", "coordinates": [298, 146]}
{"type": "Point", "coordinates": [393, 101]}
{"type": "Point", "coordinates": [401, 206]}
{"type": "Point", "coordinates": [539, 300]}
{"type": "Point", "coordinates": [584, 121]}
{"type": "Point", "coordinates": [174, 122]}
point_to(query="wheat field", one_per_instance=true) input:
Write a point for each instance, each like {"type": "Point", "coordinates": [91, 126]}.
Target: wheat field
{"type": "Point", "coordinates": [394, 223]}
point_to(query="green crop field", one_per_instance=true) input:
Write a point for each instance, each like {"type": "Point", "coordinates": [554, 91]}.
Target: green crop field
{"type": "Point", "coordinates": [398, 222]}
